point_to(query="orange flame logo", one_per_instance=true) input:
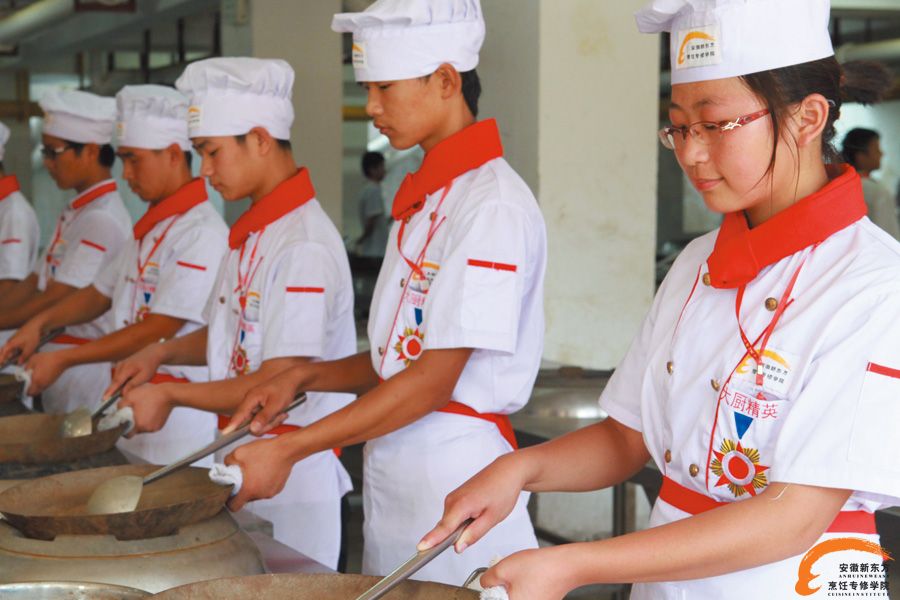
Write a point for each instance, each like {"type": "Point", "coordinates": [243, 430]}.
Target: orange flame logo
{"type": "Point", "coordinates": [694, 35]}
{"type": "Point", "coordinates": [805, 574]}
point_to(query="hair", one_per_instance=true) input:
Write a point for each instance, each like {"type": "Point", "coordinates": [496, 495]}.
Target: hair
{"type": "Point", "coordinates": [106, 158]}
{"type": "Point", "coordinates": [856, 141]}
{"type": "Point", "coordinates": [856, 81]}
{"type": "Point", "coordinates": [370, 161]}
{"type": "Point", "coordinates": [188, 159]}
{"type": "Point", "coordinates": [283, 144]}
{"type": "Point", "coordinates": [471, 90]}
{"type": "Point", "coordinates": [1, 166]}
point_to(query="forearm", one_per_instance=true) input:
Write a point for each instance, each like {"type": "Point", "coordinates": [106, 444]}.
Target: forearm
{"type": "Point", "coordinates": [187, 349]}
{"type": "Point", "coordinates": [19, 293]}
{"type": "Point", "coordinates": [123, 342]}
{"type": "Point", "coordinates": [558, 465]}
{"type": "Point", "coordinates": [6, 286]}
{"type": "Point", "coordinates": [352, 375]}
{"type": "Point", "coordinates": [81, 306]}
{"type": "Point", "coordinates": [225, 396]}
{"type": "Point", "coordinates": [424, 387]}
{"type": "Point", "coordinates": [18, 315]}
{"type": "Point", "coordinates": [783, 521]}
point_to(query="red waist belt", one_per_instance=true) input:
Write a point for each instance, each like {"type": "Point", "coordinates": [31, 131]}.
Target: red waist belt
{"type": "Point", "coordinates": [501, 421]}
{"type": "Point", "coordinates": [689, 501]}
{"type": "Point", "coordinates": [280, 430]}
{"type": "Point", "coordinates": [166, 378]}
{"type": "Point", "coordinates": [65, 338]}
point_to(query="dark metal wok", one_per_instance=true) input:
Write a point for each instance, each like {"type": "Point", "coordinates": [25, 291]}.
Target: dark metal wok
{"type": "Point", "coordinates": [309, 587]}
{"type": "Point", "coordinates": [35, 438]}
{"type": "Point", "coordinates": [56, 505]}
{"type": "Point", "coordinates": [10, 388]}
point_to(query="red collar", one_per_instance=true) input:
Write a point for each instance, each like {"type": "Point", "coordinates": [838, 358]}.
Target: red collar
{"type": "Point", "coordinates": [101, 189]}
{"type": "Point", "coordinates": [741, 253]}
{"type": "Point", "coordinates": [8, 185]}
{"type": "Point", "coordinates": [461, 152]}
{"type": "Point", "coordinates": [290, 194]}
{"type": "Point", "coordinates": [187, 197]}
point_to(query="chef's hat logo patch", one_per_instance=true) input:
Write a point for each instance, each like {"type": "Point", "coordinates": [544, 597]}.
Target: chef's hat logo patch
{"type": "Point", "coordinates": [358, 53]}
{"type": "Point", "coordinates": [698, 47]}
{"type": "Point", "coordinates": [193, 118]}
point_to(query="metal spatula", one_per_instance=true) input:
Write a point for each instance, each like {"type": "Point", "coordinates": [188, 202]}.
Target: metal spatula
{"type": "Point", "coordinates": [80, 422]}
{"type": "Point", "coordinates": [123, 493]}
{"type": "Point", "coordinates": [406, 570]}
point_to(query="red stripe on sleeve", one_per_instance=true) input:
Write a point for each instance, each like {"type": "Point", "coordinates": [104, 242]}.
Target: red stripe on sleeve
{"type": "Point", "coordinates": [882, 370]}
{"type": "Point", "coordinates": [181, 263]}
{"type": "Point", "coordinates": [94, 245]}
{"type": "Point", "coordinates": [305, 290]}
{"type": "Point", "coordinates": [486, 264]}
{"type": "Point", "coordinates": [11, 241]}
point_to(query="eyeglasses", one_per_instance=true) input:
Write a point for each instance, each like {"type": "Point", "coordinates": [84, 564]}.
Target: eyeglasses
{"type": "Point", "coordinates": [705, 132]}
{"type": "Point", "coordinates": [52, 153]}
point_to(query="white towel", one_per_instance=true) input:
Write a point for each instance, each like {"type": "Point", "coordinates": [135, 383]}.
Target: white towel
{"type": "Point", "coordinates": [125, 415]}
{"type": "Point", "coordinates": [21, 374]}
{"type": "Point", "coordinates": [223, 475]}
{"type": "Point", "coordinates": [494, 593]}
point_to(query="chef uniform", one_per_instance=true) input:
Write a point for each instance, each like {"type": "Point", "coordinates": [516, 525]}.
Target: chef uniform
{"type": "Point", "coordinates": [284, 290]}
{"type": "Point", "coordinates": [19, 230]}
{"type": "Point", "coordinates": [801, 386]}
{"type": "Point", "coordinates": [91, 231]}
{"type": "Point", "coordinates": [170, 266]}
{"type": "Point", "coordinates": [464, 268]}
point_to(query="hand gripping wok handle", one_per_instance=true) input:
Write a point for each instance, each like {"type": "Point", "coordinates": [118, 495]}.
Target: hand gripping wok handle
{"type": "Point", "coordinates": [216, 445]}
{"type": "Point", "coordinates": [407, 569]}
{"type": "Point", "coordinates": [47, 337]}
{"type": "Point", "coordinates": [108, 402]}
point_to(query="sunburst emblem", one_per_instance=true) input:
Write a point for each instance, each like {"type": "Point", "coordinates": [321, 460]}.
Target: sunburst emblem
{"type": "Point", "coordinates": [409, 347]}
{"type": "Point", "coordinates": [142, 313]}
{"type": "Point", "coordinates": [239, 363]}
{"type": "Point", "coordinates": [739, 468]}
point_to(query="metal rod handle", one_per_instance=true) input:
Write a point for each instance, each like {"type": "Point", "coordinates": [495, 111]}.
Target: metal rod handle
{"type": "Point", "coordinates": [216, 445]}
{"type": "Point", "coordinates": [407, 569]}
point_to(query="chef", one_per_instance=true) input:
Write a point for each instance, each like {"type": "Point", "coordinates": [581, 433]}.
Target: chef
{"type": "Point", "coordinates": [456, 323]}
{"type": "Point", "coordinates": [91, 230]}
{"type": "Point", "coordinates": [764, 381]}
{"type": "Point", "coordinates": [284, 294]}
{"type": "Point", "coordinates": [19, 232]}
{"type": "Point", "coordinates": [161, 281]}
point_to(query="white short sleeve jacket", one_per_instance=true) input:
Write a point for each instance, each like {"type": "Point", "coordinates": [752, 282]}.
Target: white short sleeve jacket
{"type": "Point", "coordinates": [299, 302]}
{"type": "Point", "coordinates": [19, 237]}
{"type": "Point", "coordinates": [85, 240]}
{"type": "Point", "coordinates": [482, 247]}
{"type": "Point", "coordinates": [176, 280]}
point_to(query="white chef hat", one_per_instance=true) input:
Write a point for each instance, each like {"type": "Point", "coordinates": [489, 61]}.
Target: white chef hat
{"type": "Point", "coordinates": [152, 117]}
{"type": "Point", "coordinates": [4, 137]}
{"type": "Point", "coordinates": [231, 96]}
{"type": "Point", "coordinates": [715, 39]}
{"type": "Point", "coordinates": [79, 117]}
{"type": "Point", "coordinates": [405, 39]}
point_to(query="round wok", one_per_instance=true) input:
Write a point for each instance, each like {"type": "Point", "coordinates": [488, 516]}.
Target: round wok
{"type": "Point", "coordinates": [35, 438]}
{"type": "Point", "coordinates": [68, 590]}
{"type": "Point", "coordinates": [309, 587]}
{"type": "Point", "coordinates": [56, 505]}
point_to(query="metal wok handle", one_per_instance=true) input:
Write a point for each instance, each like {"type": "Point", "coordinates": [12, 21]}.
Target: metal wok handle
{"type": "Point", "coordinates": [407, 569]}
{"type": "Point", "coordinates": [216, 445]}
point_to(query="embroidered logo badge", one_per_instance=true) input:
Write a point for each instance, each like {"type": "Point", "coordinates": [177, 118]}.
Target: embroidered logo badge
{"type": "Point", "coordinates": [358, 54]}
{"type": "Point", "coordinates": [194, 117]}
{"type": "Point", "coordinates": [739, 469]}
{"type": "Point", "coordinates": [698, 47]}
{"type": "Point", "coordinates": [410, 345]}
